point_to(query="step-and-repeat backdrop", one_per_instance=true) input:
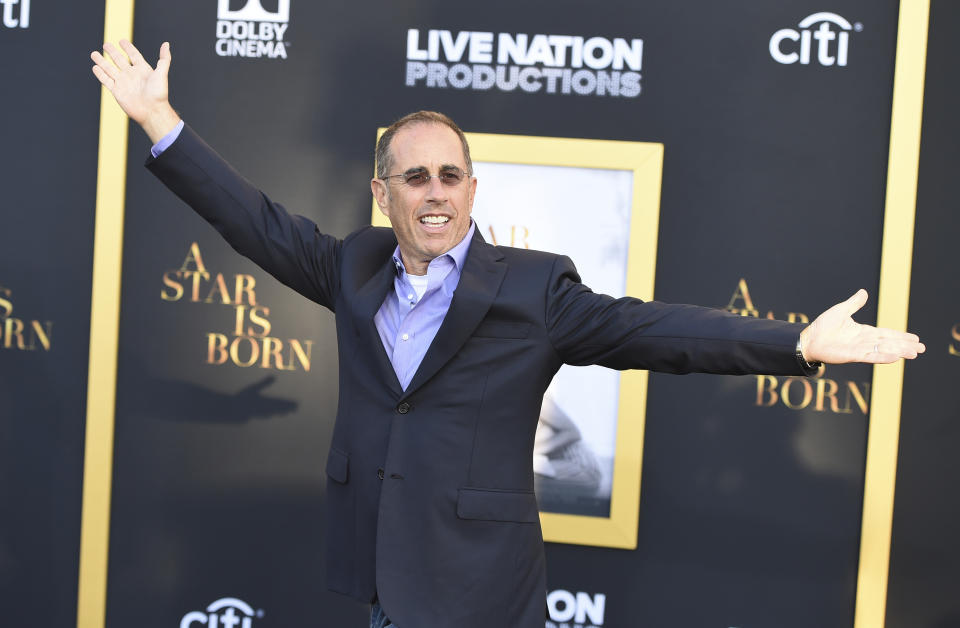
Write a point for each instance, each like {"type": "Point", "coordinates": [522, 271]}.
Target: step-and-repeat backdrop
{"type": "Point", "coordinates": [925, 552]}
{"type": "Point", "coordinates": [48, 177]}
{"type": "Point", "coordinates": [768, 126]}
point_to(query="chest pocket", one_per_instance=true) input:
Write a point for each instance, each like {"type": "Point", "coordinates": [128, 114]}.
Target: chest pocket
{"type": "Point", "coordinates": [494, 328]}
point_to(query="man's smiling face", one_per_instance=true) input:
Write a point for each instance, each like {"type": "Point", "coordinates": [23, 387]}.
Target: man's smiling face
{"type": "Point", "coordinates": [432, 218]}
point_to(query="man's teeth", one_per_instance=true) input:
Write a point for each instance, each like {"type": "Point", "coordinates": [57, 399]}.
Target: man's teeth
{"type": "Point", "coordinates": [434, 220]}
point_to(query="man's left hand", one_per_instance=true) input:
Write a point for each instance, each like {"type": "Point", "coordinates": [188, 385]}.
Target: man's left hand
{"type": "Point", "coordinates": [835, 338]}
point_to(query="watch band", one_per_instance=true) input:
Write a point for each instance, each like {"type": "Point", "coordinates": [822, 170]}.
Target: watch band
{"type": "Point", "coordinates": [808, 367]}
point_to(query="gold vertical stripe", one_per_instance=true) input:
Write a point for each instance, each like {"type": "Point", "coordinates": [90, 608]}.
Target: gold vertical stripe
{"type": "Point", "coordinates": [892, 306]}
{"type": "Point", "coordinates": [104, 329]}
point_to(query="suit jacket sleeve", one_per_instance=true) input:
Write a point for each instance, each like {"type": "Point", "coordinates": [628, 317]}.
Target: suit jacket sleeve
{"type": "Point", "coordinates": [289, 247]}
{"type": "Point", "coordinates": [627, 333]}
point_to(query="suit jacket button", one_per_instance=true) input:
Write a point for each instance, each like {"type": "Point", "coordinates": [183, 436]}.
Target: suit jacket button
{"type": "Point", "coordinates": [380, 473]}
{"type": "Point", "coordinates": [403, 408]}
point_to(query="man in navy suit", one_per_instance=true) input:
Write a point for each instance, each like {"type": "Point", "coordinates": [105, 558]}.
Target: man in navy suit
{"type": "Point", "coordinates": [447, 345]}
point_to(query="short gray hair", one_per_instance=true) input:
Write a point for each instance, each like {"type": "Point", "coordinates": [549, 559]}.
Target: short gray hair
{"type": "Point", "coordinates": [385, 158]}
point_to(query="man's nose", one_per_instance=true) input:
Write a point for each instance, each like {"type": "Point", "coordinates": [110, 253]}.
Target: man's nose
{"type": "Point", "coordinates": [436, 191]}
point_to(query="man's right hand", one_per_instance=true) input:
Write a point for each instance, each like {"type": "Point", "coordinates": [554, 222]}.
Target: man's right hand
{"type": "Point", "coordinates": [140, 90]}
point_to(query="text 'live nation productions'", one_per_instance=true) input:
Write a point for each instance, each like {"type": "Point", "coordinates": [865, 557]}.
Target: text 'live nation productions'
{"type": "Point", "coordinates": [553, 64]}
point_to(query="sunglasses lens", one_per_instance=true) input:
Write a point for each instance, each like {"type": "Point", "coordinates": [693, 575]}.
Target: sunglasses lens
{"type": "Point", "coordinates": [451, 177]}
{"type": "Point", "coordinates": [416, 179]}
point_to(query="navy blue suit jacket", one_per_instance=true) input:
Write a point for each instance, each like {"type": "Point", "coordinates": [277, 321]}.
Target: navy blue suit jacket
{"type": "Point", "coordinates": [430, 489]}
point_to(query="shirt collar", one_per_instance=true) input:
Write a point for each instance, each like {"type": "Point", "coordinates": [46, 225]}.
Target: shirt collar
{"type": "Point", "coordinates": [458, 253]}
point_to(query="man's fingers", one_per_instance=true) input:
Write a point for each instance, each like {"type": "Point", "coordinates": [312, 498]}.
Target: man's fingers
{"type": "Point", "coordinates": [893, 349]}
{"type": "Point", "coordinates": [118, 58]}
{"type": "Point", "coordinates": [856, 302]}
{"type": "Point", "coordinates": [132, 52]}
{"type": "Point", "coordinates": [163, 62]}
{"type": "Point", "coordinates": [105, 66]}
{"type": "Point", "coordinates": [885, 333]}
{"type": "Point", "coordinates": [103, 77]}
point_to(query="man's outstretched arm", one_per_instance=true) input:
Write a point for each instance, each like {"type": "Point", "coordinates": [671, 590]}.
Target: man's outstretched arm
{"type": "Point", "coordinates": [289, 247]}
{"type": "Point", "coordinates": [588, 328]}
{"type": "Point", "coordinates": [140, 89]}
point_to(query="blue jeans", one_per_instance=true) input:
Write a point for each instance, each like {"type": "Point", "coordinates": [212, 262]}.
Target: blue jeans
{"type": "Point", "coordinates": [379, 619]}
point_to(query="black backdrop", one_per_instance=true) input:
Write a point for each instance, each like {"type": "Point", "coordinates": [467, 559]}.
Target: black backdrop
{"type": "Point", "coordinates": [774, 178]}
{"type": "Point", "coordinates": [48, 170]}
{"type": "Point", "coordinates": [925, 553]}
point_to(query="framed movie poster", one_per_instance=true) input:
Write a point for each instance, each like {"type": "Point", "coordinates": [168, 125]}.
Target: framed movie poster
{"type": "Point", "coordinates": [596, 201]}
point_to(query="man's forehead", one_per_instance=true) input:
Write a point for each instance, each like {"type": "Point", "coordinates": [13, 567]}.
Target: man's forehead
{"type": "Point", "coordinates": [426, 144]}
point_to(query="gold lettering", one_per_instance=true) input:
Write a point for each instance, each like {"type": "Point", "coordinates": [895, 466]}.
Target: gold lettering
{"type": "Point", "coordinates": [245, 285]}
{"type": "Point", "coordinates": [807, 393]}
{"type": "Point", "coordinates": [193, 255]}
{"type": "Point", "coordinates": [5, 305]}
{"type": "Point", "coordinates": [823, 393]}
{"type": "Point", "coordinates": [12, 332]}
{"type": "Point", "coordinates": [742, 292]}
{"type": "Point", "coordinates": [952, 349]}
{"type": "Point", "coordinates": [303, 357]}
{"type": "Point", "coordinates": [235, 352]}
{"type": "Point", "coordinates": [13, 327]}
{"type": "Point", "coordinates": [761, 379]}
{"type": "Point", "coordinates": [238, 320]}
{"type": "Point", "coordinates": [273, 347]}
{"type": "Point", "coordinates": [859, 397]}
{"type": "Point", "coordinates": [197, 276]}
{"type": "Point", "coordinates": [219, 285]}
{"type": "Point", "coordinates": [261, 321]}
{"type": "Point", "coordinates": [513, 236]}
{"type": "Point", "coordinates": [170, 282]}
{"type": "Point", "coordinates": [37, 332]}
{"type": "Point", "coordinates": [247, 351]}
{"type": "Point", "coordinates": [255, 318]}
{"type": "Point", "coordinates": [216, 344]}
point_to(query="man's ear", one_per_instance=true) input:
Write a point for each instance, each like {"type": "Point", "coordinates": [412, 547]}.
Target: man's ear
{"type": "Point", "coordinates": [473, 192]}
{"type": "Point", "coordinates": [380, 192]}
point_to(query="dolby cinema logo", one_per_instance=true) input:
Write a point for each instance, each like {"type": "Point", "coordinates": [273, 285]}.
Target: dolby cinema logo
{"type": "Point", "coordinates": [246, 29]}
{"type": "Point", "coordinates": [524, 63]}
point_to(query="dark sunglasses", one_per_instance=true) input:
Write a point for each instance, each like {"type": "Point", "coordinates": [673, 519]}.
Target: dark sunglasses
{"type": "Point", "coordinates": [450, 177]}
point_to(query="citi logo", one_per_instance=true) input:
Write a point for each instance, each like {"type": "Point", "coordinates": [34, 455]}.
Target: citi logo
{"type": "Point", "coordinates": [575, 610]}
{"type": "Point", "coordinates": [833, 28]}
{"type": "Point", "coordinates": [222, 614]}
{"type": "Point", "coordinates": [12, 18]}
{"type": "Point", "coordinates": [252, 31]}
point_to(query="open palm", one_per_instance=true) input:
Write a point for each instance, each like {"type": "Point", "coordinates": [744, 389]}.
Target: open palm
{"type": "Point", "coordinates": [835, 338]}
{"type": "Point", "coordinates": [139, 88]}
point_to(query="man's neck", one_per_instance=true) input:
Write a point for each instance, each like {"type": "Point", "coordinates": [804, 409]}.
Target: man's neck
{"type": "Point", "coordinates": [414, 266]}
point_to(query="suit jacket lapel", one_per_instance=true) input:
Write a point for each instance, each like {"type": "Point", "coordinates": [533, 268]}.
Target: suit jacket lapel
{"type": "Point", "coordinates": [368, 301]}
{"type": "Point", "coordinates": [479, 282]}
